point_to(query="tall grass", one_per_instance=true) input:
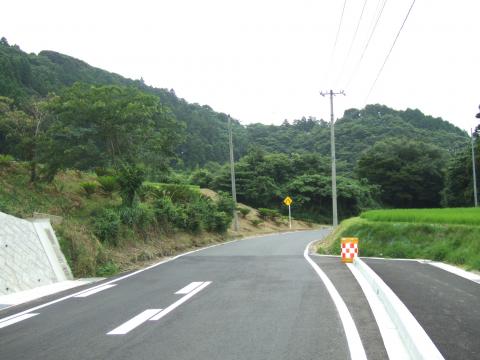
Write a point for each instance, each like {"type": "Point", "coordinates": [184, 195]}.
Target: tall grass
{"type": "Point", "coordinates": [464, 216]}
{"type": "Point", "coordinates": [455, 244]}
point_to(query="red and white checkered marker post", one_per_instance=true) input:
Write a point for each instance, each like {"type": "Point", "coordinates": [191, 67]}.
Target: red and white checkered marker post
{"type": "Point", "coordinates": [349, 249]}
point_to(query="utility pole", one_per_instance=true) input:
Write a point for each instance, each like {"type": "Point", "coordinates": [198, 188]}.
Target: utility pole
{"type": "Point", "coordinates": [474, 171]}
{"type": "Point", "coordinates": [232, 175]}
{"type": "Point", "coordinates": [332, 146]}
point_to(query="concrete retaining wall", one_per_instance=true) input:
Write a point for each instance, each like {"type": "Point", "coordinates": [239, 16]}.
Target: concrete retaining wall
{"type": "Point", "coordinates": [30, 255]}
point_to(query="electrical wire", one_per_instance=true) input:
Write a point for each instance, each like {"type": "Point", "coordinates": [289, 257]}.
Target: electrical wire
{"type": "Point", "coordinates": [357, 66]}
{"type": "Point", "coordinates": [336, 38]}
{"type": "Point", "coordinates": [352, 42]}
{"type": "Point", "coordinates": [390, 51]}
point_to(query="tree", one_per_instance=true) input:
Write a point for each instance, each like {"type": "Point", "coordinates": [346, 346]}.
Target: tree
{"type": "Point", "coordinates": [23, 131]}
{"type": "Point", "coordinates": [103, 126]}
{"type": "Point", "coordinates": [410, 173]}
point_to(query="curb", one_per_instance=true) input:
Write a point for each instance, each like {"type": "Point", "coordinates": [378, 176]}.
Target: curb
{"type": "Point", "coordinates": [413, 337]}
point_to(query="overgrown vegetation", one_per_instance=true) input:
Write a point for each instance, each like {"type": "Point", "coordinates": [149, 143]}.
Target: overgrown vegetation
{"type": "Point", "coordinates": [97, 226]}
{"type": "Point", "coordinates": [435, 235]}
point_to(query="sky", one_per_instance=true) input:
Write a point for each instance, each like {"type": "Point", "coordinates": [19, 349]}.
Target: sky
{"type": "Point", "coordinates": [268, 60]}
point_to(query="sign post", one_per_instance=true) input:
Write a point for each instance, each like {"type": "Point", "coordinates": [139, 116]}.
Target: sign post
{"type": "Point", "coordinates": [288, 201]}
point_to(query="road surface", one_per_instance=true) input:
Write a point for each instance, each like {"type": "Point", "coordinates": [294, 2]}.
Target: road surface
{"type": "Point", "coordinates": [253, 299]}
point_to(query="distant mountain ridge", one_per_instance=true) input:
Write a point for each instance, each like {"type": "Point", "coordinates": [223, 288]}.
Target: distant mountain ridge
{"type": "Point", "coordinates": [25, 75]}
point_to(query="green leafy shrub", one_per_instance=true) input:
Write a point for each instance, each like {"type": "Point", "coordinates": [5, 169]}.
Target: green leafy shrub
{"type": "Point", "coordinates": [107, 269]}
{"type": "Point", "coordinates": [130, 178]}
{"type": "Point", "coordinates": [256, 222]}
{"type": "Point", "coordinates": [138, 215]}
{"type": "Point", "coordinates": [89, 188]}
{"type": "Point", "coordinates": [166, 212]}
{"type": "Point", "coordinates": [225, 203]}
{"type": "Point", "coordinates": [218, 222]}
{"type": "Point", "coordinates": [5, 160]}
{"type": "Point", "coordinates": [179, 193]}
{"type": "Point", "coordinates": [268, 214]}
{"type": "Point", "coordinates": [101, 171]}
{"type": "Point", "coordinates": [107, 226]}
{"type": "Point", "coordinates": [244, 211]}
{"type": "Point", "coordinates": [108, 183]}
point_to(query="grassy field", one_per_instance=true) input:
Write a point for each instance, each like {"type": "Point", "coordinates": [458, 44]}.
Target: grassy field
{"type": "Point", "coordinates": [463, 216]}
{"type": "Point", "coordinates": [448, 235]}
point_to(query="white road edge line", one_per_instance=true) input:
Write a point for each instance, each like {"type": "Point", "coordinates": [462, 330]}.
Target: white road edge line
{"type": "Point", "coordinates": [134, 322]}
{"type": "Point", "coordinates": [16, 320]}
{"type": "Point", "coordinates": [189, 288]}
{"type": "Point", "coordinates": [94, 291]}
{"type": "Point", "coordinates": [455, 270]}
{"type": "Point", "coordinates": [355, 346]}
{"type": "Point", "coordinates": [415, 340]}
{"type": "Point", "coordinates": [390, 335]}
{"type": "Point", "coordinates": [179, 302]}
{"type": "Point", "coordinates": [114, 280]}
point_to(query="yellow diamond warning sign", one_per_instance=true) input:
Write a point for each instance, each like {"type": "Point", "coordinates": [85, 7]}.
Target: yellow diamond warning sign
{"type": "Point", "coordinates": [288, 201]}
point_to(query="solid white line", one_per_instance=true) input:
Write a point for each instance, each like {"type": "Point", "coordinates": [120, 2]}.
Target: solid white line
{"type": "Point", "coordinates": [16, 320]}
{"type": "Point", "coordinates": [455, 270]}
{"type": "Point", "coordinates": [190, 287]}
{"type": "Point", "coordinates": [134, 322]}
{"type": "Point", "coordinates": [94, 291]}
{"type": "Point", "coordinates": [180, 301]}
{"type": "Point", "coordinates": [355, 346]}
{"type": "Point", "coordinates": [390, 335]}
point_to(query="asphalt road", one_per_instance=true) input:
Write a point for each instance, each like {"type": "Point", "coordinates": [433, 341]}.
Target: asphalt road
{"type": "Point", "coordinates": [251, 299]}
{"type": "Point", "coordinates": [446, 306]}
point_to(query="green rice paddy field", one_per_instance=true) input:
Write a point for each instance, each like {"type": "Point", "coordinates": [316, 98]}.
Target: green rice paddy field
{"type": "Point", "coordinates": [450, 235]}
{"type": "Point", "coordinates": [463, 216]}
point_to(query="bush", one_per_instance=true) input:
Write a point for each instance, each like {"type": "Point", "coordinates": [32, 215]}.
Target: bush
{"type": "Point", "coordinates": [177, 192]}
{"type": "Point", "coordinates": [89, 187]}
{"type": "Point", "coordinates": [108, 269]}
{"type": "Point", "coordinates": [166, 212]}
{"type": "Point", "coordinates": [244, 211]}
{"type": "Point", "coordinates": [256, 222]}
{"type": "Point", "coordinates": [130, 178]}
{"type": "Point", "coordinates": [270, 214]}
{"type": "Point", "coordinates": [6, 160]}
{"type": "Point", "coordinates": [140, 216]}
{"type": "Point", "coordinates": [107, 226]}
{"type": "Point", "coordinates": [101, 171]}
{"type": "Point", "coordinates": [218, 222]}
{"type": "Point", "coordinates": [108, 183]}
{"type": "Point", "coordinates": [225, 203]}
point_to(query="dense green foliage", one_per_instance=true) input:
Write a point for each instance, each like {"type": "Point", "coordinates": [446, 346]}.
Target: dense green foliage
{"type": "Point", "coordinates": [459, 179]}
{"type": "Point", "coordinates": [59, 113]}
{"type": "Point", "coordinates": [24, 75]}
{"type": "Point", "coordinates": [265, 179]}
{"type": "Point", "coordinates": [410, 173]}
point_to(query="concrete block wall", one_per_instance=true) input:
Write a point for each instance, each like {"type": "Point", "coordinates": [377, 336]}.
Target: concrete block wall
{"type": "Point", "coordinates": [30, 255]}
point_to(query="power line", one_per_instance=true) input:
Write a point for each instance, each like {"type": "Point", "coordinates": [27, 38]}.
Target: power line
{"type": "Point", "coordinates": [377, 20]}
{"type": "Point", "coordinates": [390, 51]}
{"type": "Point", "coordinates": [353, 41]}
{"type": "Point", "coordinates": [336, 37]}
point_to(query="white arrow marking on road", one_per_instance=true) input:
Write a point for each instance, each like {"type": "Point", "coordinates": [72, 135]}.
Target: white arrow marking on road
{"type": "Point", "coordinates": [134, 322]}
{"type": "Point", "coordinates": [180, 301]}
{"type": "Point", "coordinates": [94, 291]}
{"type": "Point", "coordinates": [16, 319]}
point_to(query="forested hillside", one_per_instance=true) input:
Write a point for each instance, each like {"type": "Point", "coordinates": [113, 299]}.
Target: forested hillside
{"type": "Point", "coordinates": [59, 113]}
{"type": "Point", "coordinates": [25, 75]}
